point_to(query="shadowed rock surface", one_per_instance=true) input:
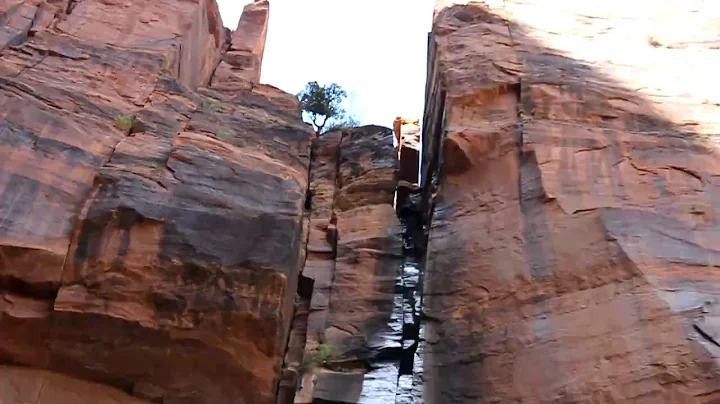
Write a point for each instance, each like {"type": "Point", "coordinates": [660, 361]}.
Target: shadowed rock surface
{"type": "Point", "coordinates": [150, 228]}
{"type": "Point", "coordinates": [353, 258]}
{"type": "Point", "coordinates": [573, 249]}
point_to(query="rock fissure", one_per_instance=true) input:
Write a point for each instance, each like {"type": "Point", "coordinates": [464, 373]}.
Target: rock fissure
{"type": "Point", "coordinates": [71, 6]}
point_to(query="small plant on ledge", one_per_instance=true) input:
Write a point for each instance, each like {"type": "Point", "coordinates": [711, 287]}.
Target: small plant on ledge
{"type": "Point", "coordinates": [319, 357]}
{"type": "Point", "coordinates": [123, 122]}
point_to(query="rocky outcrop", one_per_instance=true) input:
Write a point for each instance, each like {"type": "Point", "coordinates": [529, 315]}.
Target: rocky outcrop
{"type": "Point", "coordinates": [407, 134]}
{"type": "Point", "coordinates": [353, 256]}
{"type": "Point", "coordinates": [241, 64]}
{"type": "Point", "coordinates": [150, 228]}
{"type": "Point", "coordinates": [22, 385]}
{"type": "Point", "coordinates": [569, 176]}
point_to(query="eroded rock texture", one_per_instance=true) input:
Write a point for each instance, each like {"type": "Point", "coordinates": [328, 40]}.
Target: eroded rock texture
{"type": "Point", "coordinates": [240, 65]}
{"type": "Point", "coordinates": [150, 228]}
{"type": "Point", "coordinates": [407, 134]}
{"type": "Point", "coordinates": [23, 385]}
{"type": "Point", "coordinates": [353, 256]}
{"type": "Point", "coordinates": [574, 243]}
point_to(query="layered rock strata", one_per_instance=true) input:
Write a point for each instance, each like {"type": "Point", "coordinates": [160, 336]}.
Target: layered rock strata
{"type": "Point", "coordinates": [241, 64]}
{"type": "Point", "coordinates": [569, 172]}
{"type": "Point", "coordinates": [150, 228]}
{"type": "Point", "coordinates": [353, 262]}
{"type": "Point", "coordinates": [407, 133]}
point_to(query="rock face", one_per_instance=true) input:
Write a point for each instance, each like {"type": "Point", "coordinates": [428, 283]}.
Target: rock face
{"type": "Point", "coordinates": [170, 230]}
{"type": "Point", "coordinates": [150, 228]}
{"type": "Point", "coordinates": [407, 133]}
{"type": "Point", "coordinates": [241, 63]}
{"type": "Point", "coordinates": [18, 385]}
{"type": "Point", "coordinates": [574, 241]}
{"type": "Point", "coordinates": [353, 256]}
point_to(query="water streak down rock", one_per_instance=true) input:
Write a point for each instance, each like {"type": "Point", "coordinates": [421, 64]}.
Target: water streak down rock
{"type": "Point", "coordinates": [570, 178]}
{"type": "Point", "coordinates": [353, 257]}
{"type": "Point", "coordinates": [150, 228]}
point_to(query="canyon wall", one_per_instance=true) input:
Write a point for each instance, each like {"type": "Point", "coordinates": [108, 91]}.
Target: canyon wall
{"type": "Point", "coordinates": [151, 204]}
{"type": "Point", "coordinates": [407, 135]}
{"type": "Point", "coordinates": [353, 261]}
{"type": "Point", "coordinates": [171, 231]}
{"type": "Point", "coordinates": [570, 183]}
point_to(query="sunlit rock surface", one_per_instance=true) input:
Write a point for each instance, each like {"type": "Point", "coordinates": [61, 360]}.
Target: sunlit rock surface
{"type": "Point", "coordinates": [574, 241]}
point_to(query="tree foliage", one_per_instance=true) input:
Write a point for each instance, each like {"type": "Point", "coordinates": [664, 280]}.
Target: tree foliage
{"type": "Point", "coordinates": [322, 106]}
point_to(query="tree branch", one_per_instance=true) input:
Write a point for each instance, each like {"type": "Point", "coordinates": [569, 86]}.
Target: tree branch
{"type": "Point", "coordinates": [320, 127]}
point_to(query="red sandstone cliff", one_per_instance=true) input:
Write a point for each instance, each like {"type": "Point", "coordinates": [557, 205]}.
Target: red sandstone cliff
{"type": "Point", "coordinates": [163, 237]}
{"type": "Point", "coordinates": [150, 212]}
{"type": "Point", "coordinates": [170, 231]}
{"type": "Point", "coordinates": [574, 243]}
{"type": "Point", "coordinates": [353, 259]}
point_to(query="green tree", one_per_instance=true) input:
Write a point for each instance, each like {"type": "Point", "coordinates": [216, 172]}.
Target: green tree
{"type": "Point", "coordinates": [321, 104]}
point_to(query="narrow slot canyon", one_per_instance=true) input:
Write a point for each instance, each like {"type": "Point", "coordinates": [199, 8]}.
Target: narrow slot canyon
{"type": "Point", "coordinates": [545, 231]}
{"type": "Point", "coordinates": [356, 328]}
{"type": "Point", "coordinates": [357, 324]}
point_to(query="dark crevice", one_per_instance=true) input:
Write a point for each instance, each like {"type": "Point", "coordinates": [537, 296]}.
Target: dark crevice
{"type": "Point", "coordinates": [410, 287]}
{"type": "Point", "coordinates": [706, 335]}
{"type": "Point", "coordinates": [305, 287]}
{"type": "Point", "coordinates": [416, 216]}
{"type": "Point", "coordinates": [688, 172]}
{"type": "Point", "coordinates": [71, 6]}
{"type": "Point", "coordinates": [414, 213]}
{"type": "Point", "coordinates": [39, 290]}
{"type": "Point", "coordinates": [293, 357]}
{"type": "Point", "coordinates": [522, 155]}
{"type": "Point", "coordinates": [308, 199]}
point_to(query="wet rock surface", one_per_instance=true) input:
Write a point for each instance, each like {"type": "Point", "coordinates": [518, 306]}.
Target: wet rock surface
{"type": "Point", "coordinates": [569, 170]}
{"type": "Point", "coordinates": [353, 258]}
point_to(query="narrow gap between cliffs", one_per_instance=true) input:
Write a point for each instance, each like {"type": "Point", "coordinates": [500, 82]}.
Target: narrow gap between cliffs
{"type": "Point", "coordinates": [411, 213]}
{"type": "Point", "coordinates": [296, 338]}
{"type": "Point", "coordinates": [410, 288]}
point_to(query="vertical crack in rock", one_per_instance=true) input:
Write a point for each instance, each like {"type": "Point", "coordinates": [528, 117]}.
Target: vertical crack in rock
{"type": "Point", "coordinates": [409, 287]}
{"type": "Point", "coordinates": [318, 268]}
{"type": "Point", "coordinates": [293, 360]}
{"type": "Point", "coordinates": [354, 254]}
{"type": "Point", "coordinates": [71, 6]}
{"type": "Point", "coordinates": [408, 389]}
{"type": "Point", "coordinates": [417, 216]}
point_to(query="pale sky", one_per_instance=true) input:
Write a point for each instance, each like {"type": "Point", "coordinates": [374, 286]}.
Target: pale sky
{"type": "Point", "coordinates": [375, 49]}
